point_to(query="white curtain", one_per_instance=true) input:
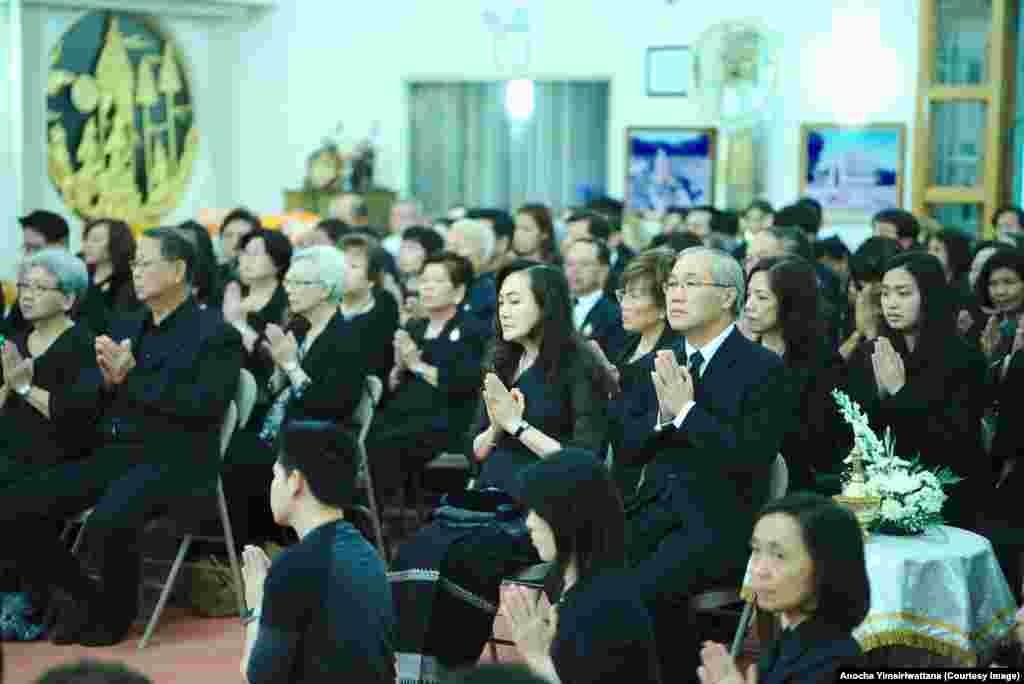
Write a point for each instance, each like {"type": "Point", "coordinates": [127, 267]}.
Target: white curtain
{"type": "Point", "coordinates": [467, 150]}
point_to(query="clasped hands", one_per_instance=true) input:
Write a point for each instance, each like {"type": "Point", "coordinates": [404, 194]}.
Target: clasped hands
{"type": "Point", "coordinates": [534, 622]}
{"type": "Point", "coordinates": [407, 354]}
{"type": "Point", "coordinates": [282, 347]}
{"type": "Point", "coordinates": [505, 407]}
{"type": "Point", "coordinates": [115, 359]}
{"type": "Point", "coordinates": [890, 374]}
{"type": "Point", "coordinates": [719, 667]}
{"type": "Point", "coordinates": [673, 384]}
{"type": "Point", "coordinates": [18, 371]}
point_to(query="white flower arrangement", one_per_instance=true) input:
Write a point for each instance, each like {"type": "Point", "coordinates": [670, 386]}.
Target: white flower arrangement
{"type": "Point", "coordinates": [911, 496]}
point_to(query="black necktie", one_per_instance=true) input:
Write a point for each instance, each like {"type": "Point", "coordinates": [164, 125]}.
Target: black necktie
{"type": "Point", "coordinates": [696, 361]}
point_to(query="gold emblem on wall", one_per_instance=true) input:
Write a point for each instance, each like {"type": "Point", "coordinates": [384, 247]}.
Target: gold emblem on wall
{"type": "Point", "coordinates": [121, 139]}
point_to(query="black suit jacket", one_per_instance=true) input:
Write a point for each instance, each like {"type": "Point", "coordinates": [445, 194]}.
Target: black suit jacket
{"type": "Point", "coordinates": [690, 520]}
{"type": "Point", "coordinates": [604, 324]}
{"type": "Point", "coordinates": [623, 255]}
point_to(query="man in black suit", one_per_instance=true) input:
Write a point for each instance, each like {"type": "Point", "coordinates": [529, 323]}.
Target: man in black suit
{"type": "Point", "coordinates": [167, 376]}
{"type": "Point", "coordinates": [596, 315]}
{"type": "Point", "coordinates": [723, 409]}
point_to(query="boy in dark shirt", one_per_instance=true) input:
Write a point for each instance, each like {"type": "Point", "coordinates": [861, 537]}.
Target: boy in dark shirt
{"type": "Point", "coordinates": [323, 612]}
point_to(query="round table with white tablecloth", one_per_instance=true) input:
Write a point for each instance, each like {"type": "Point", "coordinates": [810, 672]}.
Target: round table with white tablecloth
{"type": "Point", "coordinates": [942, 591]}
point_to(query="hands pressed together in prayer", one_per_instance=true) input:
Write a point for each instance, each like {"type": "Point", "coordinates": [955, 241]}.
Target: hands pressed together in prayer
{"type": "Point", "coordinates": [505, 408]}
{"type": "Point", "coordinates": [673, 384]}
{"type": "Point", "coordinates": [407, 354]}
{"type": "Point", "coordinates": [255, 566]}
{"type": "Point", "coordinates": [283, 348]}
{"type": "Point", "coordinates": [719, 667]}
{"type": "Point", "coordinates": [534, 622]}
{"type": "Point", "coordinates": [18, 371]}
{"type": "Point", "coordinates": [890, 374]}
{"type": "Point", "coordinates": [114, 359]}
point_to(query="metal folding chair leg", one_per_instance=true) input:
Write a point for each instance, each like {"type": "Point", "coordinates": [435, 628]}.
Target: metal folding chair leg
{"type": "Point", "coordinates": [165, 593]}
{"type": "Point", "coordinates": [229, 542]}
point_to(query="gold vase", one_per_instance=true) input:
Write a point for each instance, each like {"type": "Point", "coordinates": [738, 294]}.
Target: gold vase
{"type": "Point", "coordinates": [865, 508]}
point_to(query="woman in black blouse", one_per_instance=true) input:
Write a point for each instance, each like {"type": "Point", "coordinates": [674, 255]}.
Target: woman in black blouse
{"type": "Point", "coordinates": [922, 380]}
{"type": "Point", "coordinates": [44, 412]}
{"type": "Point", "coordinates": [264, 258]}
{"type": "Point", "coordinates": [435, 377]}
{"type": "Point", "coordinates": [634, 406]}
{"type": "Point", "coordinates": [1000, 289]}
{"type": "Point", "coordinates": [108, 248]}
{"type": "Point", "coordinates": [544, 390]}
{"type": "Point", "coordinates": [597, 631]}
{"type": "Point", "coordinates": [319, 374]}
{"type": "Point", "coordinates": [783, 313]}
{"type": "Point", "coordinates": [807, 565]}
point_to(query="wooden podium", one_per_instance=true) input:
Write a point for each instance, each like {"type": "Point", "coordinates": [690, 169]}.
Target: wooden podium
{"type": "Point", "coordinates": [378, 203]}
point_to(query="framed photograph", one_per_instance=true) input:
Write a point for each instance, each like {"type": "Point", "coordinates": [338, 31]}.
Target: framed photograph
{"type": "Point", "coordinates": [669, 167]}
{"type": "Point", "coordinates": [669, 71]}
{"type": "Point", "coordinates": [854, 171]}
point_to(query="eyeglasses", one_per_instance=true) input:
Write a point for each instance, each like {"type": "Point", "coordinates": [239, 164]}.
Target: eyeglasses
{"type": "Point", "coordinates": [292, 282]}
{"type": "Point", "coordinates": [144, 265]}
{"type": "Point", "coordinates": [689, 285]}
{"type": "Point", "coordinates": [631, 295]}
{"type": "Point", "coordinates": [36, 288]}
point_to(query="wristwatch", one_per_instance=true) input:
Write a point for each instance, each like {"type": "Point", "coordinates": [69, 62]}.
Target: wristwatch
{"type": "Point", "coordinates": [290, 367]}
{"type": "Point", "coordinates": [23, 391]}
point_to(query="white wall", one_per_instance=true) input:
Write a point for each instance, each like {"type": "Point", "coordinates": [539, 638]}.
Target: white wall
{"type": "Point", "coordinates": [312, 63]}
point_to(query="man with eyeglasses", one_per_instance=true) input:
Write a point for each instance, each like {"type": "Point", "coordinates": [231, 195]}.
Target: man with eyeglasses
{"type": "Point", "coordinates": [166, 376]}
{"type": "Point", "coordinates": [723, 409]}
{"type": "Point", "coordinates": [596, 314]}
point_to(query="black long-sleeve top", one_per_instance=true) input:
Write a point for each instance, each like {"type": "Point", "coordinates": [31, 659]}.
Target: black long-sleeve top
{"type": "Point", "coordinates": [573, 410]}
{"type": "Point", "coordinates": [174, 400]}
{"type": "Point", "coordinates": [26, 435]}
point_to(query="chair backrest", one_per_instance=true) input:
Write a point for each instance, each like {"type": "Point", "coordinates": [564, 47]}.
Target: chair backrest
{"type": "Point", "coordinates": [246, 397]}
{"type": "Point", "coordinates": [778, 481]}
{"type": "Point", "coordinates": [365, 410]}
{"type": "Point", "coordinates": [227, 428]}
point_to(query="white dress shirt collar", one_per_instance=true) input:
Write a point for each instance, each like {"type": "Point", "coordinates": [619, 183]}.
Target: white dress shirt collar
{"type": "Point", "coordinates": [583, 307]}
{"type": "Point", "coordinates": [709, 350]}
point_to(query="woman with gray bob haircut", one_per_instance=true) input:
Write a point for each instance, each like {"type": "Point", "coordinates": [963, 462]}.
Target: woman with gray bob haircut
{"type": "Point", "coordinates": [47, 402]}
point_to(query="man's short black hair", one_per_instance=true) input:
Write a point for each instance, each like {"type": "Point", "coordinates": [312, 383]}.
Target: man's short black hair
{"type": "Point", "coordinates": [51, 226]}
{"type": "Point", "coordinates": [610, 208]}
{"type": "Point", "coordinates": [597, 225]}
{"type": "Point", "coordinates": [502, 221]}
{"type": "Point", "coordinates": [174, 246]}
{"type": "Point", "coordinates": [677, 241]}
{"type": "Point", "coordinates": [428, 238]}
{"type": "Point", "coordinates": [867, 265]}
{"type": "Point", "coordinates": [906, 223]}
{"type": "Point", "coordinates": [334, 229]}
{"type": "Point", "coordinates": [832, 248]}
{"type": "Point", "coordinates": [326, 455]}
{"type": "Point", "coordinates": [87, 671]}
{"type": "Point", "coordinates": [794, 240]}
{"type": "Point", "coordinates": [800, 216]}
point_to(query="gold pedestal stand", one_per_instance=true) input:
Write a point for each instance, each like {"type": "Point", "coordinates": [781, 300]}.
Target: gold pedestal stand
{"type": "Point", "coordinates": [854, 497]}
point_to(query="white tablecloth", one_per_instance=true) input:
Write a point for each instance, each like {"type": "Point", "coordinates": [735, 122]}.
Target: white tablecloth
{"type": "Point", "coordinates": [942, 591]}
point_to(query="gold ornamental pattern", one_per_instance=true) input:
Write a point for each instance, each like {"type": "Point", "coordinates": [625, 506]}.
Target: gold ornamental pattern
{"type": "Point", "coordinates": [121, 139]}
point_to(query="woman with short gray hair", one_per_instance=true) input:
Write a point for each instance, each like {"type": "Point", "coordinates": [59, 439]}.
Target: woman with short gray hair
{"type": "Point", "coordinates": [320, 370]}
{"type": "Point", "coordinates": [46, 413]}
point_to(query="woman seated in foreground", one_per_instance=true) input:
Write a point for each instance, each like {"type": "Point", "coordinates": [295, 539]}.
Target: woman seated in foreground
{"type": "Point", "coordinates": [598, 631]}
{"type": "Point", "coordinates": [807, 565]}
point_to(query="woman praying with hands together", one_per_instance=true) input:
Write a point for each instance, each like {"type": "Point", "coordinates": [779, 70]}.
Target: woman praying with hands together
{"type": "Point", "coordinates": [922, 380]}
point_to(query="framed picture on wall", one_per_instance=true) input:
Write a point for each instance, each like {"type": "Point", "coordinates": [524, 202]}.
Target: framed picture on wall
{"type": "Point", "coordinates": [669, 167]}
{"type": "Point", "coordinates": [854, 171]}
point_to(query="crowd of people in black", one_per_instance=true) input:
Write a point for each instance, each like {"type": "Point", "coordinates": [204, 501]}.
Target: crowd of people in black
{"type": "Point", "coordinates": [620, 407]}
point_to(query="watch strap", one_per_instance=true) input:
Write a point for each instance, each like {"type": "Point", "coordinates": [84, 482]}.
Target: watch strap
{"type": "Point", "coordinates": [523, 427]}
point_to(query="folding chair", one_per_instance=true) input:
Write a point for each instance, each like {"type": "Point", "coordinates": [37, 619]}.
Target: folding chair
{"type": "Point", "coordinates": [363, 417]}
{"type": "Point", "coordinates": [227, 430]}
